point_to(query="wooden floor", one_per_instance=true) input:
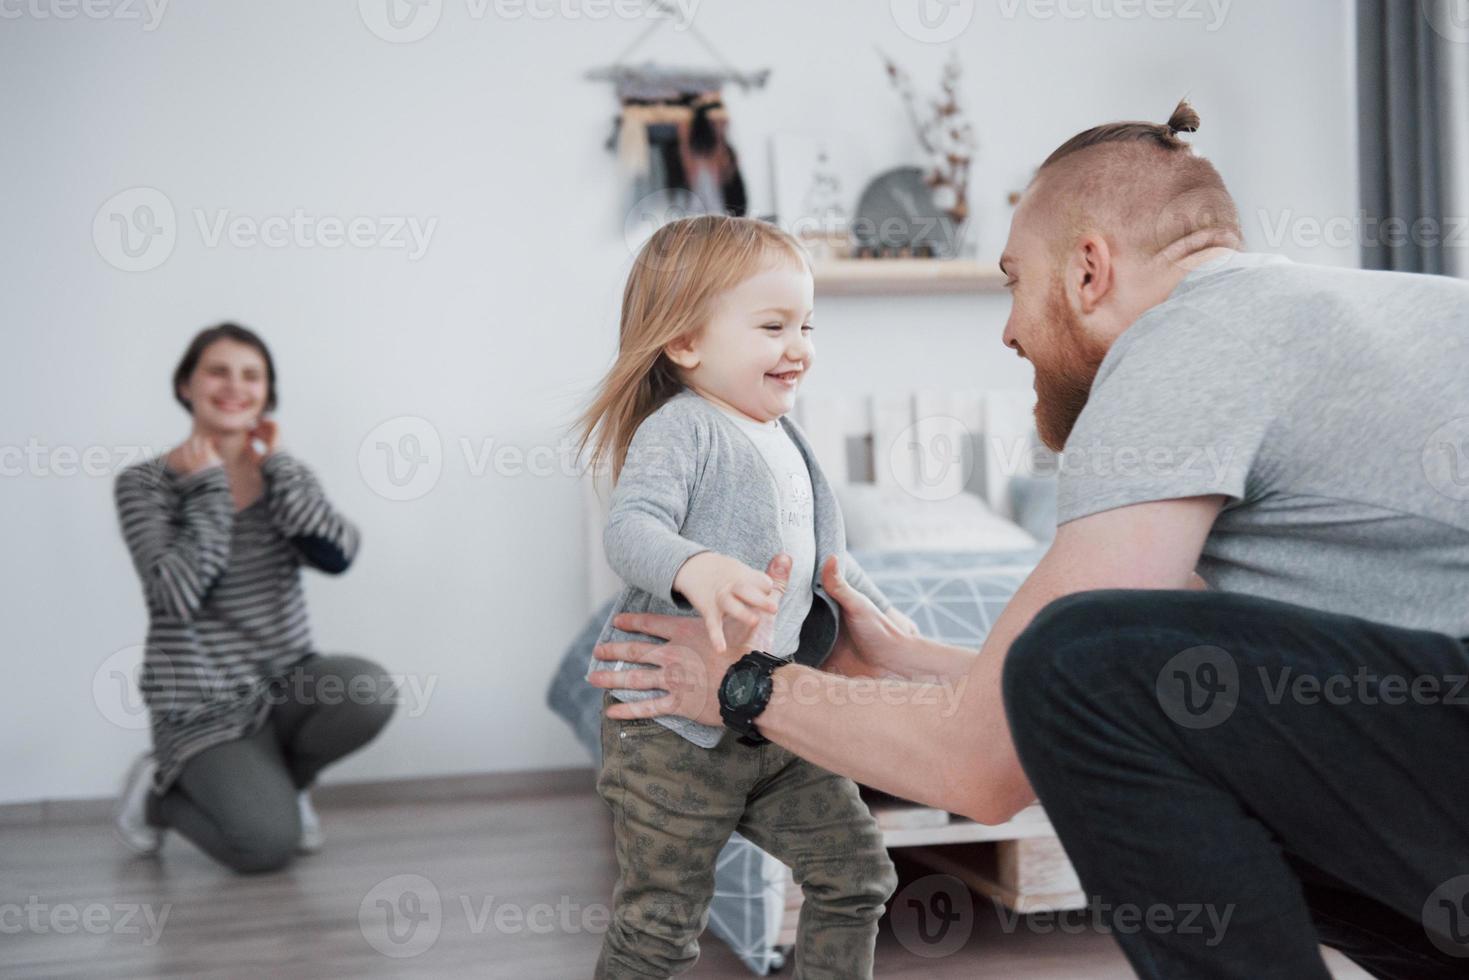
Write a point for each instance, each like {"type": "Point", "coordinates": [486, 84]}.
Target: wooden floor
{"type": "Point", "coordinates": [521, 885]}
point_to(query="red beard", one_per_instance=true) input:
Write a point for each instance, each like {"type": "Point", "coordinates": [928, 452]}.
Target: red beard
{"type": "Point", "coordinates": [1064, 382]}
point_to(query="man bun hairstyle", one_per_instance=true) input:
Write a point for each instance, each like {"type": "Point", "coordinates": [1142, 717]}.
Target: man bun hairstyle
{"type": "Point", "coordinates": [1185, 119]}
{"type": "Point", "coordinates": [1144, 183]}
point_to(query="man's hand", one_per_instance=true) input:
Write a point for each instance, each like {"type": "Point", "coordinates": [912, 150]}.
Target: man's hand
{"type": "Point", "coordinates": [867, 638]}
{"type": "Point", "coordinates": [688, 666]}
{"type": "Point", "coordinates": [722, 588]}
{"type": "Point", "coordinates": [905, 625]}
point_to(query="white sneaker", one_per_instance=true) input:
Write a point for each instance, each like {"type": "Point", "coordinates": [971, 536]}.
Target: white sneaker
{"type": "Point", "coordinates": [311, 836]}
{"type": "Point", "coordinates": [130, 814]}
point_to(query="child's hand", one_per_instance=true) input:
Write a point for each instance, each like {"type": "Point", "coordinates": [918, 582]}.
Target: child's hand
{"type": "Point", "coordinates": [719, 586]}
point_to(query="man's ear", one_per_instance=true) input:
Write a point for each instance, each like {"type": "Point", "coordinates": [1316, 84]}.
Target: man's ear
{"type": "Point", "coordinates": [682, 352]}
{"type": "Point", "coordinates": [1092, 273]}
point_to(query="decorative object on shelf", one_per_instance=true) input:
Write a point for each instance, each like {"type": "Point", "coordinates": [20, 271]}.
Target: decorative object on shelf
{"type": "Point", "coordinates": [816, 177]}
{"type": "Point", "coordinates": [672, 131]}
{"type": "Point", "coordinates": [824, 194]}
{"type": "Point", "coordinates": [897, 217]}
{"type": "Point", "coordinates": [947, 136]}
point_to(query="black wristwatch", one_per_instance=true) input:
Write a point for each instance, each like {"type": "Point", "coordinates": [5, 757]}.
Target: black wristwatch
{"type": "Point", "coordinates": [744, 693]}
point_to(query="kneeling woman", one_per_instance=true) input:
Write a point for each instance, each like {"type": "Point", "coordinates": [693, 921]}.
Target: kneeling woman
{"type": "Point", "coordinates": [244, 712]}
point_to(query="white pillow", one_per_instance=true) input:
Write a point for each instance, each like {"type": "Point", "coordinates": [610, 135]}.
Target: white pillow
{"type": "Point", "coordinates": [891, 519]}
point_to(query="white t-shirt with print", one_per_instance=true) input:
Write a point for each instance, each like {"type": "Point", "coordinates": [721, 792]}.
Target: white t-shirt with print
{"type": "Point", "coordinates": [797, 527]}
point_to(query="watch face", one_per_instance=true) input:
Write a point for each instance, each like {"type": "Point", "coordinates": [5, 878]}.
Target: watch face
{"type": "Point", "coordinates": [740, 690]}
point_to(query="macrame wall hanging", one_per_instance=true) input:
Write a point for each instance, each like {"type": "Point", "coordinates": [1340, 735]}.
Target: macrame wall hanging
{"type": "Point", "coordinates": [672, 130]}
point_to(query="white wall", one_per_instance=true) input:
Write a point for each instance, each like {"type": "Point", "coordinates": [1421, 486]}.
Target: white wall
{"type": "Point", "coordinates": [501, 327]}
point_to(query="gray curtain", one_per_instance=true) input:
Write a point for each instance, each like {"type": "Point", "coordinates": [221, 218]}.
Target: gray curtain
{"type": "Point", "coordinates": [1413, 103]}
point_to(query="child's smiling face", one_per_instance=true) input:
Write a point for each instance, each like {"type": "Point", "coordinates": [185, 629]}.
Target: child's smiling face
{"type": "Point", "coordinates": [755, 349]}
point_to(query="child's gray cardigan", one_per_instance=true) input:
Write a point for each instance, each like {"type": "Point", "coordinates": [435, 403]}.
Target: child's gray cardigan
{"type": "Point", "coordinates": [693, 482]}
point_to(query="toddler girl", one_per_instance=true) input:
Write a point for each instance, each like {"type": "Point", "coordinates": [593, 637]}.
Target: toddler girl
{"type": "Point", "coordinates": [712, 480]}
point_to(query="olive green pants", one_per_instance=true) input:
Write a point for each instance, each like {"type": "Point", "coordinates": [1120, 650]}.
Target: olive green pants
{"type": "Point", "coordinates": [674, 805]}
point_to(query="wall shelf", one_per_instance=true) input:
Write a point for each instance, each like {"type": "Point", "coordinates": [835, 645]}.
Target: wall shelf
{"type": "Point", "coordinates": [877, 277]}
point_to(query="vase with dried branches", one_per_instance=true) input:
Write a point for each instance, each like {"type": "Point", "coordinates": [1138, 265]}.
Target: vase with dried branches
{"type": "Point", "coordinates": [947, 137]}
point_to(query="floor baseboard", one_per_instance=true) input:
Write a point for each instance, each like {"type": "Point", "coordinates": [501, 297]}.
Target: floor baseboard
{"type": "Point", "coordinates": [470, 786]}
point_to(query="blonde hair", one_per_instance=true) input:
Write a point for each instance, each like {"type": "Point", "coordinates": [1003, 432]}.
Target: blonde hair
{"type": "Point", "coordinates": [675, 279]}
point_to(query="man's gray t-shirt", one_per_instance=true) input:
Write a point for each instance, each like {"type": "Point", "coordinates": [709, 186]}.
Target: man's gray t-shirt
{"type": "Point", "coordinates": [1331, 406]}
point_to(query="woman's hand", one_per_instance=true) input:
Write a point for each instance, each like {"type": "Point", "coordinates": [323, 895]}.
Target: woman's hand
{"type": "Point", "coordinates": [195, 453]}
{"type": "Point", "coordinates": [688, 666]}
{"type": "Point", "coordinates": [721, 588]}
{"type": "Point", "coordinates": [267, 434]}
{"type": "Point", "coordinates": [868, 639]}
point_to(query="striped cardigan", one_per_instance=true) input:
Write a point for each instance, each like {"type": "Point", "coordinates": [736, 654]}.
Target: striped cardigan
{"type": "Point", "coordinates": [225, 607]}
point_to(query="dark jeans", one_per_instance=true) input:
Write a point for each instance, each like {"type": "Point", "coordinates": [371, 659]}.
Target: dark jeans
{"type": "Point", "coordinates": [237, 801]}
{"type": "Point", "coordinates": [1233, 760]}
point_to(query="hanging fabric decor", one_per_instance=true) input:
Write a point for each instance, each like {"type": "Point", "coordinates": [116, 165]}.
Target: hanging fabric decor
{"type": "Point", "coordinates": [672, 130]}
{"type": "Point", "coordinates": [680, 142]}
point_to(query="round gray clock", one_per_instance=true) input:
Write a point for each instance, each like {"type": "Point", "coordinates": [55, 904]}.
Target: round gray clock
{"type": "Point", "coordinates": [897, 215]}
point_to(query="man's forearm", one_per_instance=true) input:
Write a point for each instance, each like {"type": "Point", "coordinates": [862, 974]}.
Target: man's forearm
{"type": "Point", "coordinates": [923, 659]}
{"type": "Point", "coordinates": [948, 743]}
{"type": "Point", "coordinates": [957, 755]}
{"type": "Point", "coordinates": [913, 658]}
{"type": "Point", "coordinates": [943, 743]}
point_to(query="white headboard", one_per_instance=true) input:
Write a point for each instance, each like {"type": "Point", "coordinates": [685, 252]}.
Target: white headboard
{"type": "Point", "coordinates": [980, 439]}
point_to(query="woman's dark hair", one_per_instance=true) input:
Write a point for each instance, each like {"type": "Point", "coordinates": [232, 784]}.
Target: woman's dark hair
{"type": "Point", "coordinates": [207, 336]}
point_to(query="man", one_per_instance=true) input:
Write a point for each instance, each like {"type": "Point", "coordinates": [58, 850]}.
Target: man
{"type": "Point", "coordinates": [1279, 751]}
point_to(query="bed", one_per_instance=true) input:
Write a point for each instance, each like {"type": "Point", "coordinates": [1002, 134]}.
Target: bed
{"type": "Point", "coordinates": [949, 502]}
